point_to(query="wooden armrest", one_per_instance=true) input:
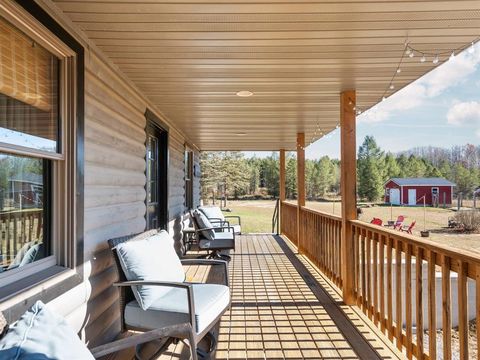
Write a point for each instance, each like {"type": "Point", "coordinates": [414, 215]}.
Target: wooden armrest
{"type": "Point", "coordinates": [215, 228]}
{"type": "Point", "coordinates": [211, 263]}
{"type": "Point", "coordinates": [183, 330]}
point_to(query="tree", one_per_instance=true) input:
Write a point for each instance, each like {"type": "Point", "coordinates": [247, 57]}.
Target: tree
{"type": "Point", "coordinates": [370, 177]}
{"type": "Point", "coordinates": [291, 177]}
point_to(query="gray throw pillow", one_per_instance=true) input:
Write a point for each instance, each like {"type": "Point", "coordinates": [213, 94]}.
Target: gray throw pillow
{"type": "Point", "coordinates": [153, 259]}
{"type": "Point", "coordinates": [40, 334]}
{"type": "Point", "coordinates": [203, 223]}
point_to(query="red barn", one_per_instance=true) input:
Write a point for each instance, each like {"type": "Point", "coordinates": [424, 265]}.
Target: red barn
{"type": "Point", "coordinates": [410, 191]}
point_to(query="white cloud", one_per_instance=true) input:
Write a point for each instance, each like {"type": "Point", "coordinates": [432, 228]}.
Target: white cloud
{"type": "Point", "coordinates": [433, 84]}
{"type": "Point", "coordinates": [465, 114]}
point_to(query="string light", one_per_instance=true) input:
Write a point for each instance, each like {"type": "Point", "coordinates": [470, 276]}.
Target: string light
{"type": "Point", "coordinates": [410, 52]}
{"type": "Point", "coordinates": [471, 49]}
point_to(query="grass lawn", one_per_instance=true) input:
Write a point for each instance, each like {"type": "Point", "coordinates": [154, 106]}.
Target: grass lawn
{"type": "Point", "coordinates": [257, 218]}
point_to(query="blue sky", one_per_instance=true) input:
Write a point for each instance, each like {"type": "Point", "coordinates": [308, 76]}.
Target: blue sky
{"type": "Point", "coordinates": [440, 109]}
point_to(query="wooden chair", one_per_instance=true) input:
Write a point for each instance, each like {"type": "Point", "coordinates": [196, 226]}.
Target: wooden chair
{"type": "Point", "coordinates": [127, 296]}
{"type": "Point", "coordinates": [408, 229]}
{"type": "Point", "coordinates": [399, 223]}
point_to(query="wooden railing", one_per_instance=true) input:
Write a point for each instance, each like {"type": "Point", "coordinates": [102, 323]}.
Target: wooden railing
{"type": "Point", "coordinates": [396, 286]}
{"type": "Point", "coordinates": [18, 228]}
{"type": "Point", "coordinates": [320, 235]}
{"type": "Point", "coordinates": [288, 221]}
{"type": "Point", "coordinates": [408, 286]}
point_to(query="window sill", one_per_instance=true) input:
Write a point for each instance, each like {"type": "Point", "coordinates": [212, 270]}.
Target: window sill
{"type": "Point", "coordinates": [46, 285]}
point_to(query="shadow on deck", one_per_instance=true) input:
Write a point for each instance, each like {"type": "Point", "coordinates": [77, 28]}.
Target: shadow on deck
{"type": "Point", "coordinates": [284, 308]}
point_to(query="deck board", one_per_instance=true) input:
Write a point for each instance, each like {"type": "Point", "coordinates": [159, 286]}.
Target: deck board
{"type": "Point", "coordinates": [282, 308]}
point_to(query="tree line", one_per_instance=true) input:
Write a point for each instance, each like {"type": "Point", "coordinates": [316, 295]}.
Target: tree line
{"type": "Point", "coordinates": [233, 174]}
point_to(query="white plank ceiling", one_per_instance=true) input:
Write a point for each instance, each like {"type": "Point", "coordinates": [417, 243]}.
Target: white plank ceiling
{"type": "Point", "coordinates": [192, 57]}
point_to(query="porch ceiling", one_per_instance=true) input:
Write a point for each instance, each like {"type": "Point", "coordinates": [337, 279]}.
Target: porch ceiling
{"type": "Point", "coordinates": [191, 58]}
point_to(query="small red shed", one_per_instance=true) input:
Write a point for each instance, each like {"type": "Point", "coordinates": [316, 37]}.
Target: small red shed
{"type": "Point", "coordinates": [410, 191]}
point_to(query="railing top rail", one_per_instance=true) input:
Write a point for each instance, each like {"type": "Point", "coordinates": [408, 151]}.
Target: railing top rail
{"type": "Point", "coordinates": [289, 203]}
{"type": "Point", "coordinates": [454, 253]}
{"type": "Point", "coordinates": [321, 213]}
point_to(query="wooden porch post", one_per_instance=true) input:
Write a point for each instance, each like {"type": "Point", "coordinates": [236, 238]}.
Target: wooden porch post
{"type": "Point", "coordinates": [348, 179]}
{"type": "Point", "coordinates": [300, 184]}
{"type": "Point", "coordinates": [282, 195]}
{"type": "Point", "coordinates": [282, 175]}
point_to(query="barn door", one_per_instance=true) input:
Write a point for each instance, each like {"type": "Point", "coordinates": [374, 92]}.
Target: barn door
{"type": "Point", "coordinates": [395, 196]}
{"type": "Point", "coordinates": [157, 174]}
{"type": "Point", "coordinates": [412, 197]}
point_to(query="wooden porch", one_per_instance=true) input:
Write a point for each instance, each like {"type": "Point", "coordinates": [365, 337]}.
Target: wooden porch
{"type": "Point", "coordinates": [284, 308]}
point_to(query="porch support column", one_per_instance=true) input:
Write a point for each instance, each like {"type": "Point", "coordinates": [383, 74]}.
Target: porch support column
{"type": "Point", "coordinates": [282, 175]}
{"type": "Point", "coordinates": [348, 185]}
{"type": "Point", "coordinates": [282, 182]}
{"type": "Point", "coordinates": [300, 185]}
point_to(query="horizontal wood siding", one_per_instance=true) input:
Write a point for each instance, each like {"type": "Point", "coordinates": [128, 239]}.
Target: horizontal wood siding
{"type": "Point", "coordinates": [114, 186]}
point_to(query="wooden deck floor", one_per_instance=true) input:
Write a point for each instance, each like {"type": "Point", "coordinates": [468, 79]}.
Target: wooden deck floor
{"type": "Point", "coordinates": [283, 308]}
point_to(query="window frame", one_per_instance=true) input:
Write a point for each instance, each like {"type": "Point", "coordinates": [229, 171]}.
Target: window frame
{"type": "Point", "coordinates": [67, 166]}
{"type": "Point", "coordinates": [189, 155]}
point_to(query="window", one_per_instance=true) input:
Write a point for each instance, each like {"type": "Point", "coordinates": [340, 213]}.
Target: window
{"type": "Point", "coordinates": [37, 148]}
{"type": "Point", "coordinates": [189, 179]}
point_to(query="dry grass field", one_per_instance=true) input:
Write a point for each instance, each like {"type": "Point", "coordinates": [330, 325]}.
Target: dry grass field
{"type": "Point", "coordinates": [257, 216]}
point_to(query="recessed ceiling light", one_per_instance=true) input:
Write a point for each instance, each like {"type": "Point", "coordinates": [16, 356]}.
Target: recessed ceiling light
{"type": "Point", "coordinates": [244, 93]}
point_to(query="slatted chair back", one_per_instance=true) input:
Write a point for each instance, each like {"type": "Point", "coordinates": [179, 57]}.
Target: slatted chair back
{"type": "Point", "coordinates": [126, 293]}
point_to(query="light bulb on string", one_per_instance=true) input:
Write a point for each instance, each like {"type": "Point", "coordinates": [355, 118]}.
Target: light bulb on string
{"type": "Point", "coordinates": [384, 98]}
{"type": "Point", "coordinates": [392, 86]}
{"type": "Point", "coordinates": [423, 58]}
{"type": "Point", "coordinates": [399, 71]}
{"type": "Point", "coordinates": [408, 51]}
{"type": "Point", "coordinates": [471, 49]}
{"type": "Point", "coordinates": [411, 55]}
{"type": "Point", "coordinates": [452, 56]}
{"type": "Point", "coordinates": [435, 60]}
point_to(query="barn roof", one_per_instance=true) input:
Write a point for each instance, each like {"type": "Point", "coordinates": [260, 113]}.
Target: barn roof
{"type": "Point", "coordinates": [435, 181]}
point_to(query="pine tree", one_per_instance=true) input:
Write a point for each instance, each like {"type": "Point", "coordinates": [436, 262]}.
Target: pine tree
{"type": "Point", "coordinates": [370, 177]}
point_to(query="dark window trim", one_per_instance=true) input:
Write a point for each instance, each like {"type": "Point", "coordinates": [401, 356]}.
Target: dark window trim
{"type": "Point", "coordinates": [163, 163]}
{"type": "Point", "coordinates": [49, 294]}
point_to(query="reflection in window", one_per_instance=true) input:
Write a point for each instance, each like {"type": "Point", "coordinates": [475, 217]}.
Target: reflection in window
{"type": "Point", "coordinates": [22, 211]}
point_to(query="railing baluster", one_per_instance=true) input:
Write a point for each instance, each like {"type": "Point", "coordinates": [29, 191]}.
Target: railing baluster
{"type": "Point", "coordinates": [432, 306]}
{"type": "Point", "coordinates": [375, 278]}
{"type": "Point", "coordinates": [389, 289]}
{"type": "Point", "coordinates": [419, 301]}
{"type": "Point", "coordinates": [398, 292]}
{"type": "Point", "coordinates": [408, 299]}
{"type": "Point", "coordinates": [362, 262]}
{"type": "Point", "coordinates": [446, 315]}
{"type": "Point", "coordinates": [462, 309]}
{"type": "Point", "coordinates": [369, 274]}
{"type": "Point", "coordinates": [381, 257]}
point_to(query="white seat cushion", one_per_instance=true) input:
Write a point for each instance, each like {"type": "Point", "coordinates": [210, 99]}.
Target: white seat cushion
{"type": "Point", "coordinates": [153, 259]}
{"type": "Point", "coordinates": [237, 229]}
{"type": "Point", "coordinates": [210, 301]}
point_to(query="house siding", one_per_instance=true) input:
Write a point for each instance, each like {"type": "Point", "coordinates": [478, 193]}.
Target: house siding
{"type": "Point", "coordinates": [114, 187]}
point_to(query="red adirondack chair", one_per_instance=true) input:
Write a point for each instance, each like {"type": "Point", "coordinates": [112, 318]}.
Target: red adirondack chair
{"type": "Point", "coordinates": [376, 221]}
{"type": "Point", "coordinates": [408, 229]}
{"type": "Point", "coordinates": [399, 223]}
